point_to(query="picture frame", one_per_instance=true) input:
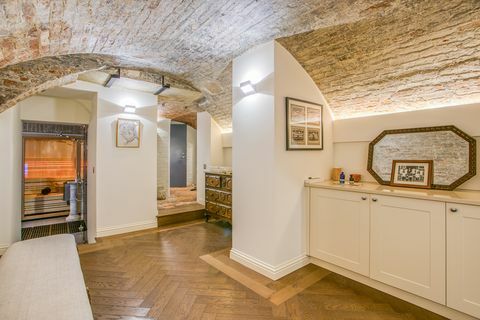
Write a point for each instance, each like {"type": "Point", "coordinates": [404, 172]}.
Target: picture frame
{"type": "Point", "coordinates": [128, 133]}
{"type": "Point", "coordinates": [304, 125]}
{"type": "Point", "coordinates": [412, 173]}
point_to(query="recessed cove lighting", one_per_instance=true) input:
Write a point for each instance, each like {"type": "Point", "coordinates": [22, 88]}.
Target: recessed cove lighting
{"type": "Point", "coordinates": [129, 109]}
{"type": "Point", "coordinates": [247, 87]}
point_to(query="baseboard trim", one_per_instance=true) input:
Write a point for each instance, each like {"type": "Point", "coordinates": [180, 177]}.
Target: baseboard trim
{"type": "Point", "coordinates": [137, 226]}
{"type": "Point", "coordinates": [268, 270]}
{"type": "Point", "coordinates": [398, 293]}
{"type": "Point", "coordinates": [3, 249]}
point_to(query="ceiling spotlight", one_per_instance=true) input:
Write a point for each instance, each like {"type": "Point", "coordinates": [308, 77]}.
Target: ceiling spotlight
{"type": "Point", "coordinates": [111, 79]}
{"type": "Point", "coordinates": [129, 109]}
{"type": "Point", "coordinates": [162, 88]}
{"type": "Point", "coordinates": [247, 87]}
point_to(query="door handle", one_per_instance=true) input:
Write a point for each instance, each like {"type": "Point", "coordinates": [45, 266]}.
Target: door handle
{"type": "Point", "coordinates": [374, 199]}
{"type": "Point", "coordinates": [364, 198]}
{"type": "Point", "coordinates": [454, 210]}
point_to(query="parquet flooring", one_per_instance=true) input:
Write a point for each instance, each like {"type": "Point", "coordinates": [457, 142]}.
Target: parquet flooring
{"type": "Point", "coordinates": [158, 274]}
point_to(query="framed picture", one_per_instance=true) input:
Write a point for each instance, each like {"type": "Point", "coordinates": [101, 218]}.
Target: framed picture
{"type": "Point", "coordinates": [412, 173]}
{"type": "Point", "coordinates": [304, 125]}
{"type": "Point", "coordinates": [128, 133]}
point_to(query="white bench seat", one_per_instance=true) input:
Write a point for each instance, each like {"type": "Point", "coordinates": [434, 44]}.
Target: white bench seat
{"type": "Point", "coordinates": [41, 279]}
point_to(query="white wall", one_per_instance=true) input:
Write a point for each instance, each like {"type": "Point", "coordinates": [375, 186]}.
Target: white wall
{"type": "Point", "coordinates": [203, 151]}
{"type": "Point", "coordinates": [293, 167]}
{"type": "Point", "coordinates": [126, 178]}
{"type": "Point", "coordinates": [268, 208]}
{"type": "Point", "coordinates": [10, 177]}
{"type": "Point", "coordinates": [54, 109]}
{"type": "Point", "coordinates": [191, 156]}
{"type": "Point", "coordinates": [216, 147]}
{"type": "Point", "coordinates": [163, 158]}
{"type": "Point", "coordinates": [227, 148]}
{"type": "Point", "coordinates": [91, 174]}
{"type": "Point", "coordinates": [209, 149]}
{"type": "Point", "coordinates": [352, 136]}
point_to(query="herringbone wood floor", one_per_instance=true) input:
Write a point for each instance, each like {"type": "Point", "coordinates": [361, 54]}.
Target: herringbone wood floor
{"type": "Point", "coordinates": [157, 274]}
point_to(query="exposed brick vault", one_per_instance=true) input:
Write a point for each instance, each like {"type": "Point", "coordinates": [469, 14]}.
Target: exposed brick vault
{"type": "Point", "coordinates": [427, 56]}
{"type": "Point", "coordinates": [367, 56]}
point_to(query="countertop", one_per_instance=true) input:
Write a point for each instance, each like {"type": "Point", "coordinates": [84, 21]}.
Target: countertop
{"type": "Point", "coordinates": [218, 173]}
{"type": "Point", "coordinates": [458, 196]}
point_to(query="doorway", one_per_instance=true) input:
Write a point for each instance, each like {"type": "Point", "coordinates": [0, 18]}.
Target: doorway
{"type": "Point", "coordinates": [178, 156]}
{"type": "Point", "coordinates": [182, 140]}
{"type": "Point", "coordinates": [54, 180]}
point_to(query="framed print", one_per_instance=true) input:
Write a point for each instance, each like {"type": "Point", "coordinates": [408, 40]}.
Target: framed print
{"type": "Point", "coordinates": [128, 133]}
{"type": "Point", "coordinates": [304, 125]}
{"type": "Point", "coordinates": [412, 173]}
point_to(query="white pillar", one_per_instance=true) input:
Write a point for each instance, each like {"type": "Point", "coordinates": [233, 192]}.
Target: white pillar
{"type": "Point", "coordinates": [269, 214]}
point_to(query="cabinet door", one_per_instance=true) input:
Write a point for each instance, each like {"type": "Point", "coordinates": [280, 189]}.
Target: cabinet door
{"type": "Point", "coordinates": [408, 245]}
{"type": "Point", "coordinates": [339, 228]}
{"type": "Point", "coordinates": [463, 258]}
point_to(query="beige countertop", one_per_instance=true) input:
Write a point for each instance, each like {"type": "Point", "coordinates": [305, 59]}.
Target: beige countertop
{"type": "Point", "coordinates": [457, 196]}
{"type": "Point", "coordinates": [218, 173]}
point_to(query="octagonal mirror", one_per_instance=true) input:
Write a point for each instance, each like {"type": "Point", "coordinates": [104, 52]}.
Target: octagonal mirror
{"type": "Point", "coordinates": [453, 153]}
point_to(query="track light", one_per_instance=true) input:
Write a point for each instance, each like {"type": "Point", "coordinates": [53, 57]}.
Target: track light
{"type": "Point", "coordinates": [111, 79]}
{"type": "Point", "coordinates": [162, 88]}
{"type": "Point", "coordinates": [247, 87]}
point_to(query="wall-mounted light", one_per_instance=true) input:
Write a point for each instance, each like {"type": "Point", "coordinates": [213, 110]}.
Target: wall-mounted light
{"type": "Point", "coordinates": [162, 88]}
{"type": "Point", "coordinates": [129, 109]}
{"type": "Point", "coordinates": [111, 79]}
{"type": "Point", "coordinates": [247, 87]}
{"type": "Point", "coordinates": [202, 103]}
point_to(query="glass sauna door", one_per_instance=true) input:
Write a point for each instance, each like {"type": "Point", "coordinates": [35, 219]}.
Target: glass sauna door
{"type": "Point", "coordinates": [53, 166]}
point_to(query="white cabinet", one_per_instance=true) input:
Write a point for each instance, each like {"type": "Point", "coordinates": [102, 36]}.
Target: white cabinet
{"type": "Point", "coordinates": [463, 258]}
{"type": "Point", "coordinates": [339, 228]}
{"type": "Point", "coordinates": [408, 245]}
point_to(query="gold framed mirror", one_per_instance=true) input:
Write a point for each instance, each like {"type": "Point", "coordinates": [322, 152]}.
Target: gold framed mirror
{"type": "Point", "coordinates": [452, 151]}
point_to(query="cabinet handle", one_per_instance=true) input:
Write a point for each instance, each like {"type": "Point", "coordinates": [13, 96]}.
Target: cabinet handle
{"type": "Point", "coordinates": [453, 210]}
{"type": "Point", "coordinates": [364, 198]}
{"type": "Point", "coordinates": [374, 199]}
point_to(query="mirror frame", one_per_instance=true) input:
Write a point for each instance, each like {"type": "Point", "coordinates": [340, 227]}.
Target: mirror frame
{"type": "Point", "coordinates": [472, 159]}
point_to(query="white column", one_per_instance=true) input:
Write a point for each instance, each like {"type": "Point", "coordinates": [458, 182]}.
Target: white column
{"type": "Point", "coordinates": [269, 214]}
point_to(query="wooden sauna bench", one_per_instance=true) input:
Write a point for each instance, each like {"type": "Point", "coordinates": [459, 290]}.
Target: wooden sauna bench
{"type": "Point", "coordinates": [37, 205]}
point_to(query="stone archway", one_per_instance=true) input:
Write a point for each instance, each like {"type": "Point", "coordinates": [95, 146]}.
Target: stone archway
{"type": "Point", "coordinates": [22, 80]}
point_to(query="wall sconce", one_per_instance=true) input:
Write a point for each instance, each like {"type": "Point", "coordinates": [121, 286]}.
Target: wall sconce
{"type": "Point", "coordinates": [129, 109]}
{"type": "Point", "coordinates": [247, 87]}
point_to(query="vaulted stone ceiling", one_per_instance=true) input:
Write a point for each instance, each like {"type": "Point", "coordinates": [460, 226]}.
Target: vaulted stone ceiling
{"type": "Point", "coordinates": [424, 57]}
{"type": "Point", "coordinates": [360, 47]}
{"type": "Point", "coordinates": [194, 40]}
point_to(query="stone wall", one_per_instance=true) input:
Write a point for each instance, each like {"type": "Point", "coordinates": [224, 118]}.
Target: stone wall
{"type": "Point", "coordinates": [25, 79]}
{"type": "Point", "coordinates": [163, 159]}
{"type": "Point", "coordinates": [219, 97]}
{"type": "Point", "coordinates": [426, 56]}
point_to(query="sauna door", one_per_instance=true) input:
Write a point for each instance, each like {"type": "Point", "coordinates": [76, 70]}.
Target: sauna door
{"type": "Point", "coordinates": [48, 163]}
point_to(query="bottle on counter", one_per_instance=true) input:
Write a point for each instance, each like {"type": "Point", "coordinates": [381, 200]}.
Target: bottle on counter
{"type": "Point", "coordinates": [351, 180]}
{"type": "Point", "coordinates": [342, 177]}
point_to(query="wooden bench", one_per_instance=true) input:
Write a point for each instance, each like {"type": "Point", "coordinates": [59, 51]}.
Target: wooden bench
{"type": "Point", "coordinates": [42, 279]}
